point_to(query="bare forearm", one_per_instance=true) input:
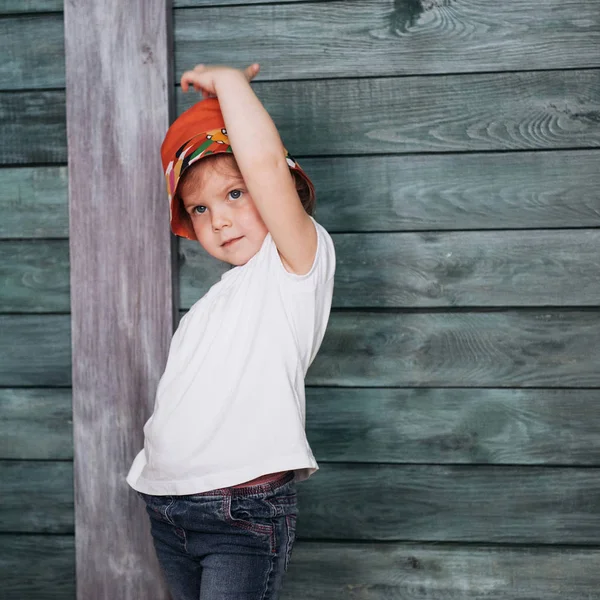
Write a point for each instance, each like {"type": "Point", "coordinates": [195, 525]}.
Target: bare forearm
{"type": "Point", "coordinates": [251, 131]}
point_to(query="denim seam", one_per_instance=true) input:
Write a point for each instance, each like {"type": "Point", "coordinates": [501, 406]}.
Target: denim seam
{"type": "Point", "coordinates": [256, 527]}
{"type": "Point", "coordinates": [288, 550]}
{"type": "Point", "coordinates": [177, 529]}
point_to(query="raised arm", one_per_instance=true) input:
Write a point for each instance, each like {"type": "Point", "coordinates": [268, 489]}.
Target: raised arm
{"type": "Point", "coordinates": [260, 155]}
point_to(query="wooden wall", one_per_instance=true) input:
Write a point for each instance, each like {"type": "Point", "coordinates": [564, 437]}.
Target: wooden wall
{"type": "Point", "coordinates": [454, 407]}
{"type": "Point", "coordinates": [37, 557]}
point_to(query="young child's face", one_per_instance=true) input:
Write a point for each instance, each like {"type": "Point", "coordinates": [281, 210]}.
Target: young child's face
{"type": "Point", "coordinates": [221, 209]}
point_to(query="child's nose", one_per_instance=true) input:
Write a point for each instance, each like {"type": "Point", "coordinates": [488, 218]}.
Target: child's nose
{"type": "Point", "coordinates": [220, 219]}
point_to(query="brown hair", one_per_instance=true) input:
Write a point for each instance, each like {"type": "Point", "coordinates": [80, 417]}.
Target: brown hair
{"type": "Point", "coordinates": [195, 174]}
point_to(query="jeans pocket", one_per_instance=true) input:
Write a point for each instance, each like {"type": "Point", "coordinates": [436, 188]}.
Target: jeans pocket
{"type": "Point", "coordinates": [249, 513]}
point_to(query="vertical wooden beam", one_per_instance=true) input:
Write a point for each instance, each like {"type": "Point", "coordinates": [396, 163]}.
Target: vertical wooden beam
{"type": "Point", "coordinates": [119, 97]}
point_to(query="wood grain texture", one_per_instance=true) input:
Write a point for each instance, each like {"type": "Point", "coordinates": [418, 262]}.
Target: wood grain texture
{"type": "Point", "coordinates": [508, 111]}
{"type": "Point", "coordinates": [34, 276]}
{"type": "Point", "coordinates": [444, 426]}
{"type": "Point", "coordinates": [467, 269]}
{"type": "Point", "coordinates": [381, 193]}
{"type": "Point", "coordinates": [34, 49]}
{"type": "Point", "coordinates": [119, 100]}
{"type": "Point", "coordinates": [385, 38]}
{"type": "Point", "coordinates": [35, 350]}
{"type": "Point", "coordinates": [451, 503]}
{"type": "Point", "coordinates": [30, 6]}
{"type": "Point", "coordinates": [346, 570]}
{"type": "Point", "coordinates": [36, 423]}
{"type": "Point", "coordinates": [512, 348]}
{"type": "Point", "coordinates": [37, 496]}
{"type": "Point", "coordinates": [34, 202]}
{"type": "Point", "coordinates": [442, 503]}
{"type": "Point", "coordinates": [457, 191]}
{"type": "Point", "coordinates": [37, 566]}
{"type": "Point", "coordinates": [396, 571]}
{"type": "Point", "coordinates": [33, 127]}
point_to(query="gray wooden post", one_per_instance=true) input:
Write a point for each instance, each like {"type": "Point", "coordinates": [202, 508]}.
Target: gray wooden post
{"type": "Point", "coordinates": [119, 88]}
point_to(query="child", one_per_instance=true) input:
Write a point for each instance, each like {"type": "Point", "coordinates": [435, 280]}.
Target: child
{"type": "Point", "coordinates": [226, 444]}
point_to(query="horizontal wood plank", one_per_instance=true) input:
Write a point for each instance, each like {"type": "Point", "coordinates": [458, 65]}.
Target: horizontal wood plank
{"type": "Point", "coordinates": [508, 111]}
{"type": "Point", "coordinates": [511, 190]}
{"type": "Point", "coordinates": [381, 193]}
{"type": "Point", "coordinates": [397, 571]}
{"type": "Point", "coordinates": [501, 504]}
{"type": "Point", "coordinates": [34, 276]}
{"type": "Point", "coordinates": [513, 348]}
{"type": "Point", "coordinates": [34, 202]}
{"type": "Point", "coordinates": [348, 39]}
{"type": "Point", "coordinates": [467, 269]}
{"type": "Point", "coordinates": [37, 566]}
{"type": "Point", "coordinates": [492, 111]}
{"type": "Point", "coordinates": [445, 426]}
{"type": "Point", "coordinates": [34, 49]}
{"type": "Point", "coordinates": [346, 570]}
{"type": "Point", "coordinates": [33, 127]}
{"type": "Point", "coordinates": [37, 496]}
{"type": "Point", "coordinates": [486, 426]}
{"type": "Point", "coordinates": [30, 6]}
{"type": "Point", "coordinates": [451, 503]}
{"type": "Point", "coordinates": [36, 423]}
{"type": "Point", "coordinates": [35, 350]}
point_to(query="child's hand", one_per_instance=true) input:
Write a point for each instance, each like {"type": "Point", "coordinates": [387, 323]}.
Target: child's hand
{"type": "Point", "coordinates": [203, 77]}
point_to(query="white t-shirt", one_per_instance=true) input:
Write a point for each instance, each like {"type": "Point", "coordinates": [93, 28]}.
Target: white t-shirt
{"type": "Point", "coordinates": [230, 405]}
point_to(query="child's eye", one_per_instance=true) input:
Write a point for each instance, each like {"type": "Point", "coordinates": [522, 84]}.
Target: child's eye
{"type": "Point", "coordinates": [233, 192]}
{"type": "Point", "coordinates": [196, 210]}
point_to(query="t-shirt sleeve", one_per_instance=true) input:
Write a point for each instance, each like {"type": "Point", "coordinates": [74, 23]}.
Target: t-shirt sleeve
{"type": "Point", "coordinates": [322, 269]}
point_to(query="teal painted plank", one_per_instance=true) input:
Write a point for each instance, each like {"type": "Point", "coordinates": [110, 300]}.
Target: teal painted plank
{"type": "Point", "coordinates": [34, 276]}
{"type": "Point", "coordinates": [34, 51]}
{"type": "Point", "coordinates": [500, 504]}
{"type": "Point", "coordinates": [37, 567]}
{"type": "Point", "coordinates": [35, 350]}
{"type": "Point", "coordinates": [350, 39]}
{"type": "Point", "coordinates": [33, 6]}
{"type": "Point", "coordinates": [396, 571]}
{"type": "Point", "coordinates": [381, 193]}
{"type": "Point", "coordinates": [346, 570]}
{"type": "Point", "coordinates": [36, 423]}
{"type": "Point", "coordinates": [33, 127]}
{"type": "Point", "coordinates": [446, 426]}
{"type": "Point", "coordinates": [505, 504]}
{"type": "Point", "coordinates": [507, 268]}
{"type": "Point", "coordinates": [34, 202]}
{"type": "Point", "coordinates": [207, 3]}
{"type": "Point", "coordinates": [497, 114]}
{"type": "Point", "coordinates": [508, 111]}
{"type": "Point", "coordinates": [457, 191]}
{"type": "Point", "coordinates": [37, 496]}
{"type": "Point", "coordinates": [527, 348]}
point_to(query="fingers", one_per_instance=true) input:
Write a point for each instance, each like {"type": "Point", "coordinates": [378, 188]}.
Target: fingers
{"type": "Point", "coordinates": [252, 71]}
{"type": "Point", "coordinates": [198, 78]}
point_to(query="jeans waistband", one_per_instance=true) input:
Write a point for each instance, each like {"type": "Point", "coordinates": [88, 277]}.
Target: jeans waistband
{"type": "Point", "coordinates": [268, 486]}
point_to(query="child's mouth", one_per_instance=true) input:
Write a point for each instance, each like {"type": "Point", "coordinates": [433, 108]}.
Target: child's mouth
{"type": "Point", "coordinates": [230, 242]}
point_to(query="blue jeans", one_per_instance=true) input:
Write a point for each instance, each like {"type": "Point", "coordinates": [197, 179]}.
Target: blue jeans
{"type": "Point", "coordinates": [225, 544]}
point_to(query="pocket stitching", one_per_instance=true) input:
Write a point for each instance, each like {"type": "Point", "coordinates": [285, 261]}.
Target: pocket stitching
{"type": "Point", "coordinates": [247, 525]}
{"type": "Point", "coordinates": [291, 523]}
